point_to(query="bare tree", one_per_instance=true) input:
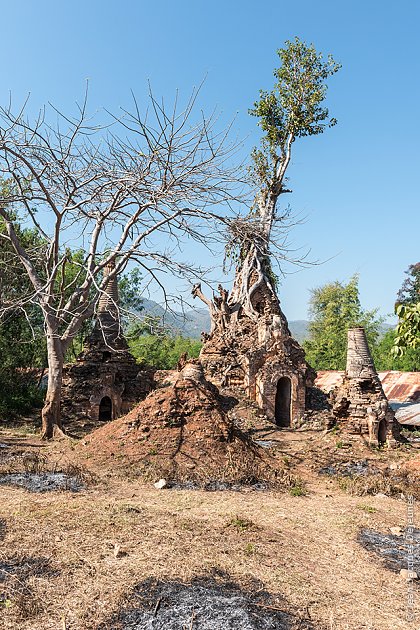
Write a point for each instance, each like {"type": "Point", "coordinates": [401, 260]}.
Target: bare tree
{"type": "Point", "coordinates": [131, 192]}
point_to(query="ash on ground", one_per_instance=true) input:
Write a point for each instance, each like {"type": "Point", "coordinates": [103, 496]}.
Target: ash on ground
{"type": "Point", "coordinates": [42, 482]}
{"type": "Point", "coordinates": [18, 576]}
{"type": "Point", "coordinates": [393, 550]}
{"type": "Point", "coordinates": [349, 469]}
{"type": "Point", "coordinates": [204, 604]}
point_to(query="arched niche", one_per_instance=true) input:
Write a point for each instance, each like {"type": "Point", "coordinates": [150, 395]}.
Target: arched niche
{"type": "Point", "coordinates": [105, 409]}
{"type": "Point", "coordinates": [283, 402]}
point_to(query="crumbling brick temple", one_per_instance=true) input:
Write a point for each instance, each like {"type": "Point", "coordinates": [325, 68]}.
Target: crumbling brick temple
{"type": "Point", "coordinates": [254, 353]}
{"type": "Point", "coordinates": [359, 404]}
{"type": "Point", "coordinates": [105, 381]}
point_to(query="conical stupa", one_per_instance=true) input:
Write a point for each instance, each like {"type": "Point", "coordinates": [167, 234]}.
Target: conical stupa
{"type": "Point", "coordinates": [257, 356]}
{"type": "Point", "coordinates": [107, 332]}
{"type": "Point", "coordinates": [359, 403]}
{"type": "Point", "coordinates": [105, 382]}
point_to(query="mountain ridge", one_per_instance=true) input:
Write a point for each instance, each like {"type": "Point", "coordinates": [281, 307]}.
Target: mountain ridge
{"type": "Point", "coordinates": [193, 322]}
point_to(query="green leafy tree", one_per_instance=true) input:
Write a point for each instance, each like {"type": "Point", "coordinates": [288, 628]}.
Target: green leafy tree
{"type": "Point", "coordinates": [154, 345]}
{"type": "Point", "coordinates": [22, 343]}
{"type": "Point", "coordinates": [334, 308]}
{"type": "Point", "coordinates": [130, 290]}
{"type": "Point", "coordinates": [386, 359]}
{"type": "Point", "coordinates": [408, 328]}
{"type": "Point", "coordinates": [407, 308]}
{"type": "Point", "coordinates": [410, 290]}
{"type": "Point", "coordinates": [19, 386]}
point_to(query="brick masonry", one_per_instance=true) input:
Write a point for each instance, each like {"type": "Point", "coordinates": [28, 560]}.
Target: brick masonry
{"type": "Point", "coordinates": [359, 403]}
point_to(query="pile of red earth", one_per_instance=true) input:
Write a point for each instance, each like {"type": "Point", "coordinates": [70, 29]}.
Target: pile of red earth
{"type": "Point", "coordinates": [412, 467]}
{"type": "Point", "coordinates": [181, 433]}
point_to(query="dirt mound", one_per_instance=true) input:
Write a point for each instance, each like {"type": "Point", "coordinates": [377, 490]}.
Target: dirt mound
{"type": "Point", "coordinates": [181, 433]}
{"type": "Point", "coordinates": [411, 469]}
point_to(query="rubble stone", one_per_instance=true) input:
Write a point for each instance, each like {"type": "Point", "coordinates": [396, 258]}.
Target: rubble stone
{"type": "Point", "coordinates": [408, 575]}
{"type": "Point", "coordinates": [191, 439]}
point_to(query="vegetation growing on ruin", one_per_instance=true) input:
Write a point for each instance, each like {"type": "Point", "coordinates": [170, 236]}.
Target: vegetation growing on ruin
{"type": "Point", "coordinates": [293, 109]}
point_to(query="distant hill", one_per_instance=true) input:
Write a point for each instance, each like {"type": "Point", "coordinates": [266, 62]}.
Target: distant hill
{"type": "Point", "coordinates": [191, 323]}
{"type": "Point", "coordinates": [195, 321]}
{"type": "Point", "coordinates": [299, 329]}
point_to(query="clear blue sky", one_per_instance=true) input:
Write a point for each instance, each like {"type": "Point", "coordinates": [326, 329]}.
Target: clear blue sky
{"type": "Point", "coordinates": [357, 184]}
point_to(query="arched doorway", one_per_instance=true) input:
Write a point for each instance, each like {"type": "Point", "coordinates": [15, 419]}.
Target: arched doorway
{"type": "Point", "coordinates": [105, 409]}
{"type": "Point", "coordinates": [283, 400]}
{"type": "Point", "coordinates": [382, 432]}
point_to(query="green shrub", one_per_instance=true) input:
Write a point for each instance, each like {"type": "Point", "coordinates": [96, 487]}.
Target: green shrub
{"type": "Point", "coordinates": [298, 489]}
{"type": "Point", "coordinates": [19, 394]}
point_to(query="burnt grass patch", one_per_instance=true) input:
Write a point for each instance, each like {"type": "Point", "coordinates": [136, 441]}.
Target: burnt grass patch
{"type": "Point", "coordinates": [42, 482]}
{"type": "Point", "coordinates": [348, 469]}
{"type": "Point", "coordinates": [205, 603]}
{"type": "Point", "coordinates": [17, 575]}
{"type": "Point", "coordinates": [392, 550]}
{"type": "Point", "coordinates": [361, 478]}
{"type": "Point", "coordinates": [33, 472]}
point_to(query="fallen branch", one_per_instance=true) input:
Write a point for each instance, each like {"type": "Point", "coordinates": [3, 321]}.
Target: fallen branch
{"type": "Point", "coordinates": [155, 612]}
{"type": "Point", "coordinates": [260, 605]}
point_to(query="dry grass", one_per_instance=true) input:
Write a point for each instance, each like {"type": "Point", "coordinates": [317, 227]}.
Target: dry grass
{"type": "Point", "coordinates": [392, 485]}
{"type": "Point", "coordinates": [70, 560]}
{"type": "Point", "coordinates": [302, 547]}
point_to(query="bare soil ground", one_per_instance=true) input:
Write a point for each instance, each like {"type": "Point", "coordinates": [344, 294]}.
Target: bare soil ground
{"type": "Point", "coordinates": [120, 554]}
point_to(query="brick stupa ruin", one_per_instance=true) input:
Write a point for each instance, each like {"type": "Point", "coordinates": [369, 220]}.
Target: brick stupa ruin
{"type": "Point", "coordinates": [182, 433]}
{"type": "Point", "coordinates": [105, 381]}
{"type": "Point", "coordinates": [254, 353]}
{"type": "Point", "coordinates": [359, 404]}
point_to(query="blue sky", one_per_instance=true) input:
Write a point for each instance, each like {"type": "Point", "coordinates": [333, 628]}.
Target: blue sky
{"type": "Point", "coordinates": [356, 184]}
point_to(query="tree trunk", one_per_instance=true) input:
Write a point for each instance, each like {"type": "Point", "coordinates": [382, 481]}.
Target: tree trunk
{"type": "Point", "coordinates": [250, 273]}
{"type": "Point", "coordinates": [51, 417]}
{"type": "Point", "coordinates": [249, 277]}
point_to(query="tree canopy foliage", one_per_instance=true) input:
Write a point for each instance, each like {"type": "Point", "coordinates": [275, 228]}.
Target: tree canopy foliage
{"type": "Point", "coordinates": [408, 328]}
{"type": "Point", "coordinates": [294, 108]}
{"type": "Point", "coordinates": [407, 337]}
{"type": "Point", "coordinates": [386, 359]}
{"type": "Point", "coordinates": [22, 341]}
{"type": "Point", "coordinates": [19, 391]}
{"type": "Point", "coordinates": [410, 289]}
{"type": "Point", "coordinates": [334, 308]}
{"type": "Point", "coordinates": [155, 345]}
